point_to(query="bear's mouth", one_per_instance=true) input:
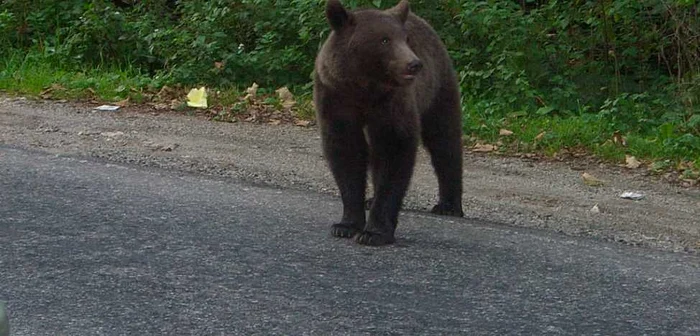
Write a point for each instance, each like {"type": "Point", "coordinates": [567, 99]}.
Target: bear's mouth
{"type": "Point", "coordinates": [409, 77]}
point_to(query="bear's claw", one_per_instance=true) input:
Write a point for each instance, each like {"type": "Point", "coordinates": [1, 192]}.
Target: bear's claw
{"type": "Point", "coordinates": [343, 230]}
{"type": "Point", "coordinates": [374, 239]}
{"type": "Point", "coordinates": [446, 209]}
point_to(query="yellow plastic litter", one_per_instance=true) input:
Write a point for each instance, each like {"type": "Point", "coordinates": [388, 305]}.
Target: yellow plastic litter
{"type": "Point", "coordinates": [197, 98]}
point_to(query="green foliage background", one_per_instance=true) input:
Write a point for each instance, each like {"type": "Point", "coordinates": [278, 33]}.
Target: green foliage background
{"type": "Point", "coordinates": [579, 70]}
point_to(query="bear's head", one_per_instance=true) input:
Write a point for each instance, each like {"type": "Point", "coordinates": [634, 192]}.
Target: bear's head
{"type": "Point", "coordinates": [371, 46]}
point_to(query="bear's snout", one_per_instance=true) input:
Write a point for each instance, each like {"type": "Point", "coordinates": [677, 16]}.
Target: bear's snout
{"type": "Point", "coordinates": [414, 66]}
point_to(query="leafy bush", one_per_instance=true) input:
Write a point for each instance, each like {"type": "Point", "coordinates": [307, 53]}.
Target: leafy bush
{"type": "Point", "coordinates": [633, 63]}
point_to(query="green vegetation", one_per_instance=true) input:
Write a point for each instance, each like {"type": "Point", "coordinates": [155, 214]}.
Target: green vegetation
{"type": "Point", "coordinates": [34, 74]}
{"type": "Point", "coordinates": [575, 74]}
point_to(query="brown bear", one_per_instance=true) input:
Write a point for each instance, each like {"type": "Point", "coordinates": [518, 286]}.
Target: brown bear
{"type": "Point", "coordinates": [383, 81]}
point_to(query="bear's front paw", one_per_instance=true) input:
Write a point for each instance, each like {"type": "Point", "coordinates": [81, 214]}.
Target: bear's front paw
{"type": "Point", "coordinates": [447, 209]}
{"type": "Point", "coordinates": [344, 230]}
{"type": "Point", "coordinates": [374, 239]}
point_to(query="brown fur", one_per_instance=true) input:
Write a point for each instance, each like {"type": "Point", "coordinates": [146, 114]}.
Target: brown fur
{"type": "Point", "coordinates": [383, 81]}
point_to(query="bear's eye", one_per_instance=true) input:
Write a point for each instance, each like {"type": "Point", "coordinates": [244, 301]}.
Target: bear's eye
{"type": "Point", "coordinates": [385, 40]}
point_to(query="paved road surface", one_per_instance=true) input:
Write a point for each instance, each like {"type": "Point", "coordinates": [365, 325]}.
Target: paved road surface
{"type": "Point", "coordinates": [90, 248]}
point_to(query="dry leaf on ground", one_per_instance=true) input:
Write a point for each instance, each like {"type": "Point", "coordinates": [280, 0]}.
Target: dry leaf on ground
{"type": "Point", "coordinates": [286, 97]}
{"type": "Point", "coordinates": [92, 92]}
{"type": "Point", "coordinates": [618, 139]}
{"type": "Point", "coordinates": [160, 106]}
{"type": "Point", "coordinates": [48, 92]}
{"type": "Point", "coordinates": [251, 92]}
{"type": "Point", "coordinates": [591, 180]}
{"type": "Point", "coordinates": [505, 132]}
{"type": "Point", "coordinates": [540, 136]}
{"type": "Point", "coordinates": [302, 123]}
{"type": "Point", "coordinates": [123, 102]}
{"type": "Point", "coordinates": [632, 162]}
{"type": "Point", "coordinates": [166, 93]}
{"type": "Point", "coordinates": [484, 148]}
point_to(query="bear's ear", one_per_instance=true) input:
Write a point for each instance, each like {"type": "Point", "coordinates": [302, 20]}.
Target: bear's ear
{"type": "Point", "coordinates": [336, 14]}
{"type": "Point", "coordinates": [401, 10]}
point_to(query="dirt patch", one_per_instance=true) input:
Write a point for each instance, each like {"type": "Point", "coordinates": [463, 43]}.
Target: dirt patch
{"type": "Point", "coordinates": [511, 191]}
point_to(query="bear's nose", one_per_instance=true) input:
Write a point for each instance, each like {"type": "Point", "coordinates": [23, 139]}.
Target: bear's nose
{"type": "Point", "coordinates": [414, 66]}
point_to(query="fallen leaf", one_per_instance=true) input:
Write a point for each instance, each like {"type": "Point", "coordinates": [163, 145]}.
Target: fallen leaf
{"type": "Point", "coordinates": [591, 180]}
{"type": "Point", "coordinates": [197, 98]}
{"type": "Point", "coordinates": [122, 103]}
{"type": "Point", "coordinates": [48, 92]}
{"type": "Point", "coordinates": [275, 122]}
{"type": "Point", "coordinates": [505, 132]}
{"type": "Point", "coordinates": [618, 139]}
{"type": "Point", "coordinates": [286, 97]}
{"type": "Point", "coordinates": [165, 93]}
{"type": "Point", "coordinates": [219, 65]}
{"type": "Point", "coordinates": [251, 92]}
{"type": "Point", "coordinates": [540, 136]}
{"type": "Point", "coordinates": [483, 148]}
{"type": "Point", "coordinates": [686, 165]}
{"type": "Point", "coordinates": [595, 209]}
{"type": "Point", "coordinates": [687, 183]}
{"type": "Point", "coordinates": [160, 106]}
{"type": "Point", "coordinates": [175, 104]}
{"type": "Point", "coordinates": [302, 123]}
{"type": "Point", "coordinates": [632, 162]}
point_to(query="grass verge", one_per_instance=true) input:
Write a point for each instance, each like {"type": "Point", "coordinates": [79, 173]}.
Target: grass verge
{"type": "Point", "coordinates": [32, 74]}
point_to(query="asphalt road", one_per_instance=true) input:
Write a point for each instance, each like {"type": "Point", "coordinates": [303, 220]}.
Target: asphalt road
{"type": "Point", "coordinates": [91, 248]}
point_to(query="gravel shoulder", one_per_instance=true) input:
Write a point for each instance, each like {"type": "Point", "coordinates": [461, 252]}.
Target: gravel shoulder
{"type": "Point", "coordinates": [502, 190]}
